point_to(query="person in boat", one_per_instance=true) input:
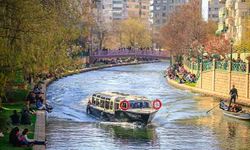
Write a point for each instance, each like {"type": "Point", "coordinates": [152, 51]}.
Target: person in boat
{"type": "Point", "coordinates": [234, 94]}
{"type": "Point", "coordinates": [236, 108]}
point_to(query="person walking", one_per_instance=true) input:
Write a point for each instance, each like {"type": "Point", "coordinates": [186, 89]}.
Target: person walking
{"type": "Point", "coordinates": [233, 94]}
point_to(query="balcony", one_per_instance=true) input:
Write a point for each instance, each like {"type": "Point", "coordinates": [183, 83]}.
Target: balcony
{"type": "Point", "coordinates": [230, 3]}
{"type": "Point", "coordinates": [242, 6]}
{"type": "Point", "coordinates": [222, 12]}
{"type": "Point", "coordinates": [229, 21]}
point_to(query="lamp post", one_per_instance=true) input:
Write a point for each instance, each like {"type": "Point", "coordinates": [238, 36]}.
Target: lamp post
{"type": "Point", "coordinates": [231, 50]}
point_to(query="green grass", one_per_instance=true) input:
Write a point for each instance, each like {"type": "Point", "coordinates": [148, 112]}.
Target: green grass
{"type": "Point", "coordinates": [16, 95]}
{"type": "Point", "coordinates": [190, 84]}
{"type": "Point", "coordinates": [186, 83]}
{"type": "Point", "coordinates": [6, 126]}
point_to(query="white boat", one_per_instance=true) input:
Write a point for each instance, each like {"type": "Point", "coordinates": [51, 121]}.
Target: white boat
{"type": "Point", "coordinates": [239, 115]}
{"type": "Point", "coordinates": [115, 106]}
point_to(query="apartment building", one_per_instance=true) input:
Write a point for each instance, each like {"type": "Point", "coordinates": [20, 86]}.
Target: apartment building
{"type": "Point", "coordinates": [162, 9]}
{"type": "Point", "coordinates": [139, 9]}
{"type": "Point", "coordinates": [232, 17]}
{"type": "Point", "coordinates": [119, 9]}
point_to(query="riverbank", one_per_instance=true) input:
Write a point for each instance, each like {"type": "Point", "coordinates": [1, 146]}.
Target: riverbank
{"type": "Point", "coordinates": [41, 117]}
{"type": "Point", "coordinates": [173, 83]}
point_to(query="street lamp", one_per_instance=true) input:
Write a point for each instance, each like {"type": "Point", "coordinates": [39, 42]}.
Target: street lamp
{"type": "Point", "coordinates": [231, 53]}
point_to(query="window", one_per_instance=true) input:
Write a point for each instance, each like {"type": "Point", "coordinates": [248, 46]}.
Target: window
{"type": "Point", "coordinates": [116, 105]}
{"type": "Point", "coordinates": [97, 102]}
{"type": "Point", "coordinates": [93, 100]}
{"type": "Point", "coordinates": [102, 104]}
{"type": "Point", "coordinates": [107, 105]}
{"type": "Point", "coordinates": [111, 105]}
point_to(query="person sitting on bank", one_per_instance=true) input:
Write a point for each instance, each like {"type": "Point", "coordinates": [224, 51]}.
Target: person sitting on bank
{"type": "Point", "coordinates": [233, 94]}
{"type": "Point", "coordinates": [13, 137]}
{"type": "Point", "coordinates": [37, 90]}
{"type": "Point", "coordinates": [15, 118]}
{"type": "Point", "coordinates": [31, 99]}
{"type": "Point", "coordinates": [25, 117]}
{"type": "Point", "coordinates": [24, 140]}
{"type": "Point", "coordinates": [1, 134]}
{"type": "Point", "coordinates": [41, 106]}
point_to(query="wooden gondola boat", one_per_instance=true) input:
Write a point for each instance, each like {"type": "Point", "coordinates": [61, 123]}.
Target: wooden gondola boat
{"type": "Point", "coordinates": [239, 115]}
{"type": "Point", "coordinates": [115, 106]}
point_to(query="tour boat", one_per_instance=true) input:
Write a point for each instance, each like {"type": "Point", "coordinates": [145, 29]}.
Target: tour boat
{"type": "Point", "coordinates": [115, 106]}
{"type": "Point", "coordinates": [239, 115]}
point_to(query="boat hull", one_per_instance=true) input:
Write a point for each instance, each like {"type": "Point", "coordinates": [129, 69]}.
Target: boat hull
{"type": "Point", "coordinates": [238, 115]}
{"type": "Point", "coordinates": [242, 116]}
{"type": "Point", "coordinates": [121, 116]}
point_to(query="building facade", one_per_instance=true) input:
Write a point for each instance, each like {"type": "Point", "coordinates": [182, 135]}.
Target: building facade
{"type": "Point", "coordinates": [162, 9]}
{"type": "Point", "coordinates": [213, 10]}
{"type": "Point", "coordinates": [119, 9]}
{"type": "Point", "coordinates": [232, 17]}
{"type": "Point", "coordinates": [139, 9]}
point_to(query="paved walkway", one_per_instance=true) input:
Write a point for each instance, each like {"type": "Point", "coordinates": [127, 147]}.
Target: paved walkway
{"type": "Point", "coordinates": [40, 122]}
{"type": "Point", "coordinates": [40, 129]}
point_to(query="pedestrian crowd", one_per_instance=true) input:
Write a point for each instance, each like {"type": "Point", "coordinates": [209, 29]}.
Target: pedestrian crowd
{"type": "Point", "coordinates": [179, 73]}
{"type": "Point", "coordinates": [34, 101]}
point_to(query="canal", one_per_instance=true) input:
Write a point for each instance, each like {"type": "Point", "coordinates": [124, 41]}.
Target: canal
{"type": "Point", "coordinates": [182, 123]}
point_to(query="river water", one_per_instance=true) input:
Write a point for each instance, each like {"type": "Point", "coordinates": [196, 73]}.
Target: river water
{"type": "Point", "coordinates": [182, 123]}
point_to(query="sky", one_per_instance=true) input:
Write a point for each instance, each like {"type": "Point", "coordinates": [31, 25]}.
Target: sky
{"type": "Point", "coordinates": [205, 9]}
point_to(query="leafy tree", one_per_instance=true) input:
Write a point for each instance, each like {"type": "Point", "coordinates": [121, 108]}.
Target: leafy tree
{"type": "Point", "coordinates": [37, 35]}
{"type": "Point", "coordinates": [185, 28]}
{"type": "Point", "coordinates": [135, 34]}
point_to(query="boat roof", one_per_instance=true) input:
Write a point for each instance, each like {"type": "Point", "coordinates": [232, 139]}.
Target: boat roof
{"type": "Point", "coordinates": [119, 95]}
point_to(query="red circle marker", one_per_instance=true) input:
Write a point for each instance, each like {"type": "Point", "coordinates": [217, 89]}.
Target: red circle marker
{"type": "Point", "coordinates": [157, 104]}
{"type": "Point", "coordinates": [122, 107]}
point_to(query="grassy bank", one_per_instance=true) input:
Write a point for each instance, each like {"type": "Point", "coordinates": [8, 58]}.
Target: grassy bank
{"type": "Point", "coordinates": [191, 84]}
{"type": "Point", "coordinates": [15, 102]}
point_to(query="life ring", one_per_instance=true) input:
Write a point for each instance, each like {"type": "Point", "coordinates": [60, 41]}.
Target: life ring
{"type": "Point", "coordinates": [122, 107]}
{"type": "Point", "coordinates": [155, 106]}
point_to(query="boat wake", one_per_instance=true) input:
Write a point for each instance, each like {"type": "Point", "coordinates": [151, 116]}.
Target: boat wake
{"type": "Point", "coordinates": [126, 125]}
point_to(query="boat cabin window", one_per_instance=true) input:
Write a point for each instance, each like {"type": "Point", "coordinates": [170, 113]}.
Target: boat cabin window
{"type": "Point", "coordinates": [101, 103]}
{"type": "Point", "coordinates": [139, 104]}
{"type": "Point", "coordinates": [116, 106]}
{"type": "Point", "coordinates": [97, 102]}
{"type": "Point", "coordinates": [107, 105]}
{"type": "Point", "coordinates": [111, 105]}
{"type": "Point", "coordinates": [93, 100]}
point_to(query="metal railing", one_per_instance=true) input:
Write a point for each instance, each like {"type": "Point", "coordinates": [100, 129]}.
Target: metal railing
{"type": "Point", "coordinates": [239, 66]}
{"type": "Point", "coordinates": [207, 65]}
{"type": "Point", "coordinates": [129, 52]}
{"type": "Point", "coordinates": [220, 65]}
{"type": "Point", "coordinates": [195, 66]}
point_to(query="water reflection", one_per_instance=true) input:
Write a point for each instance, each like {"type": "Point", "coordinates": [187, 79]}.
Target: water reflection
{"type": "Point", "coordinates": [130, 131]}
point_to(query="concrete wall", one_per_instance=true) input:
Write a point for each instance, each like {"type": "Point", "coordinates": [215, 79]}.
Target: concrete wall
{"type": "Point", "coordinates": [239, 80]}
{"type": "Point", "coordinates": [221, 81]}
{"type": "Point", "coordinates": [206, 82]}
